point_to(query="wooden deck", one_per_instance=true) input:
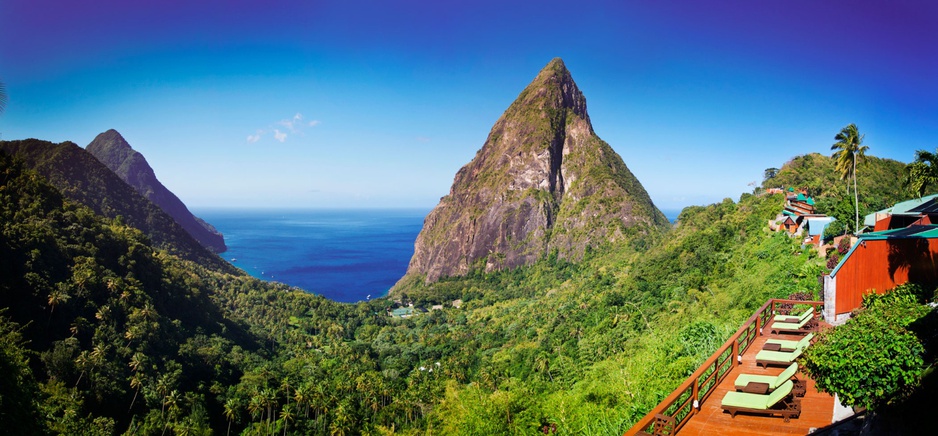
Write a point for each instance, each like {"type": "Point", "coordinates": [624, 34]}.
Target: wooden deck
{"type": "Point", "coordinates": [817, 409]}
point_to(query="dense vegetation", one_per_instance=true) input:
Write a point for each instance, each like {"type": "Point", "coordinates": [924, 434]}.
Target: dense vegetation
{"type": "Point", "coordinates": [103, 332]}
{"type": "Point", "coordinates": [878, 356]}
{"type": "Point", "coordinates": [85, 180]}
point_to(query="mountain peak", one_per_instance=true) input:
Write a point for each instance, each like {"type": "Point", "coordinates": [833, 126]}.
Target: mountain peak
{"type": "Point", "coordinates": [543, 182]}
{"type": "Point", "coordinates": [111, 149]}
{"type": "Point", "coordinates": [553, 88]}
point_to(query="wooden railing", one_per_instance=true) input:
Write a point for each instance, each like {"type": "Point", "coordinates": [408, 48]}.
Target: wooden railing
{"type": "Point", "coordinates": [685, 401]}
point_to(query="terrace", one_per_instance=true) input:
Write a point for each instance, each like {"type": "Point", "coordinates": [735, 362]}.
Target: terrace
{"type": "Point", "coordinates": [694, 407]}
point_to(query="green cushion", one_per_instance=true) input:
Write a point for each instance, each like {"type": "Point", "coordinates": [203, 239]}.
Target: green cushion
{"type": "Point", "coordinates": [789, 325]}
{"type": "Point", "coordinates": [804, 342]}
{"type": "Point", "coordinates": [787, 374]}
{"type": "Point", "coordinates": [744, 379]}
{"type": "Point", "coordinates": [756, 401]}
{"type": "Point", "coordinates": [778, 356]}
{"type": "Point", "coordinates": [773, 381]}
{"type": "Point", "coordinates": [805, 315]}
{"type": "Point", "coordinates": [742, 399]}
{"type": "Point", "coordinates": [780, 393]}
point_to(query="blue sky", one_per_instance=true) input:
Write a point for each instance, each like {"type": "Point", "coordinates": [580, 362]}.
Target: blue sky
{"type": "Point", "coordinates": [240, 103]}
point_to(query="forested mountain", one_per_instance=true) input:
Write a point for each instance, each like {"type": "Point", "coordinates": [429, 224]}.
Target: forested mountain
{"type": "Point", "coordinates": [542, 183]}
{"type": "Point", "coordinates": [114, 152]}
{"type": "Point", "coordinates": [85, 180]}
{"type": "Point", "coordinates": [113, 327]}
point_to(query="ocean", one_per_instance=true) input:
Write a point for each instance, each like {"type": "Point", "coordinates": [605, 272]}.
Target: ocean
{"type": "Point", "coordinates": [343, 255]}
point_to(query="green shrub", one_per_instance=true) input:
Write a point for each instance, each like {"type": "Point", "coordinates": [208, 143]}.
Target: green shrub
{"type": "Point", "coordinates": [872, 359]}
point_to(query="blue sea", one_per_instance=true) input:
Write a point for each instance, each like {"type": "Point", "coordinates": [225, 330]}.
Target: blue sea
{"type": "Point", "coordinates": [344, 255]}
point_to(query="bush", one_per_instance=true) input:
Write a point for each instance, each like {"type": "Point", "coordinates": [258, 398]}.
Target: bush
{"type": "Point", "coordinates": [873, 359]}
{"type": "Point", "coordinates": [843, 246]}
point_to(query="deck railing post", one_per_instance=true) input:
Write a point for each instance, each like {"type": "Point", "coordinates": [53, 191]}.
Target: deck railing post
{"type": "Point", "coordinates": [695, 396]}
{"type": "Point", "coordinates": [736, 352]}
{"type": "Point", "coordinates": [758, 324]}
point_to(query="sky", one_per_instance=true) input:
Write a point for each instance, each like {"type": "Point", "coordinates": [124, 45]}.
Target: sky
{"type": "Point", "coordinates": [377, 104]}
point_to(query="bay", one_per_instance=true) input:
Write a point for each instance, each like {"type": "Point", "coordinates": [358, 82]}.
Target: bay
{"type": "Point", "coordinates": [343, 255]}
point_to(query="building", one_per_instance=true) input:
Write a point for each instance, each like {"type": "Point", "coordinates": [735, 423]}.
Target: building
{"type": "Point", "coordinates": [790, 223]}
{"type": "Point", "coordinates": [904, 214]}
{"type": "Point", "coordinates": [878, 262]}
{"type": "Point", "coordinates": [815, 225]}
{"type": "Point", "coordinates": [799, 203]}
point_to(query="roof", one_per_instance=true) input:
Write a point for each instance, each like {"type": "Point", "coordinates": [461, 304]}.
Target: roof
{"type": "Point", "coordinates": [916, 231]}
{"type": "Point", "coordinates": [816, 225]}
{"type": "Point", "coordinates": [911, 232]}
{"type": "Point", "coordinates": [930, 206]}
{"type": "Point", "coordinates": [901, 208]}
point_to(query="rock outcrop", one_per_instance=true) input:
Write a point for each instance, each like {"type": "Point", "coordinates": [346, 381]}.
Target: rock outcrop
{"type": "Point", "coordinates": [114, 152]}
{"type": "Point", "coordinates": [543, 182]}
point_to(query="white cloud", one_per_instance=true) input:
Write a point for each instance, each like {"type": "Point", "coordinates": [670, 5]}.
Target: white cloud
{"type": "Point", "coordinates": [280, 136]}
{"type": "Point", "coordinates": [294, 125]}
{"type": "Point", "coordinates": [255, 137]}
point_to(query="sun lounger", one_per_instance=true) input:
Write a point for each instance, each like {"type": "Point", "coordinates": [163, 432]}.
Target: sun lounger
{"type": "Point", "coordinates": [786, 345]}
{"type": "Point", "coordinates": [763, 384]}
{"type": "Point", "coordinates": [778, 358]}
{"type": "Point", "coordinates": [805, 326]}
{"type": "Point", "coordinates": [780, 402]}
{"type": "Point", "coordinates": [789, 318]}
{"type": "Point", "coordinates": [772, 381]}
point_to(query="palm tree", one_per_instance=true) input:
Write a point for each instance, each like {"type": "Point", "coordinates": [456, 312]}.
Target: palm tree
{"type": "Point", "coordinates": [922, 173]}
{"type": "Point", "coordinates": [850, 149]}
{"type": "Point", "coordinates": [231, 412]}
{"type": "Point", "coordinates": [286, 417]}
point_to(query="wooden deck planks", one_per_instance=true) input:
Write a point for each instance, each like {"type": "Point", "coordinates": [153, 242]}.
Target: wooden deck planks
{"type": "Point", "coordinates": [817, 409]}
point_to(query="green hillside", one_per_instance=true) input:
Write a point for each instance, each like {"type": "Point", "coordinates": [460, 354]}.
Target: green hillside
{"type": "Point", "coordinates": [104, 333]}
{"type": "Point", "coordinates": [85, 180]}
{"type": "Point", "coordinates": [879, 183]}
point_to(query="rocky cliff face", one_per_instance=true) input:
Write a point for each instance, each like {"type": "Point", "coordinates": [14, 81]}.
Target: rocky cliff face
{"type": "Point", "coordinates": [543, 181]}
{"type": "Point", "coordinates": [114, 152]}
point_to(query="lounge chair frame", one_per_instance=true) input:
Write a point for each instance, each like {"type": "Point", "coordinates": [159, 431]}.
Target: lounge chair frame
{"type": "Point", "coordinates": [787, 406]}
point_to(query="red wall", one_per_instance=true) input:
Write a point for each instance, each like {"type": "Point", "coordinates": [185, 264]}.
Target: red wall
{"type": "Point", "coordinates": [883, 265]}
